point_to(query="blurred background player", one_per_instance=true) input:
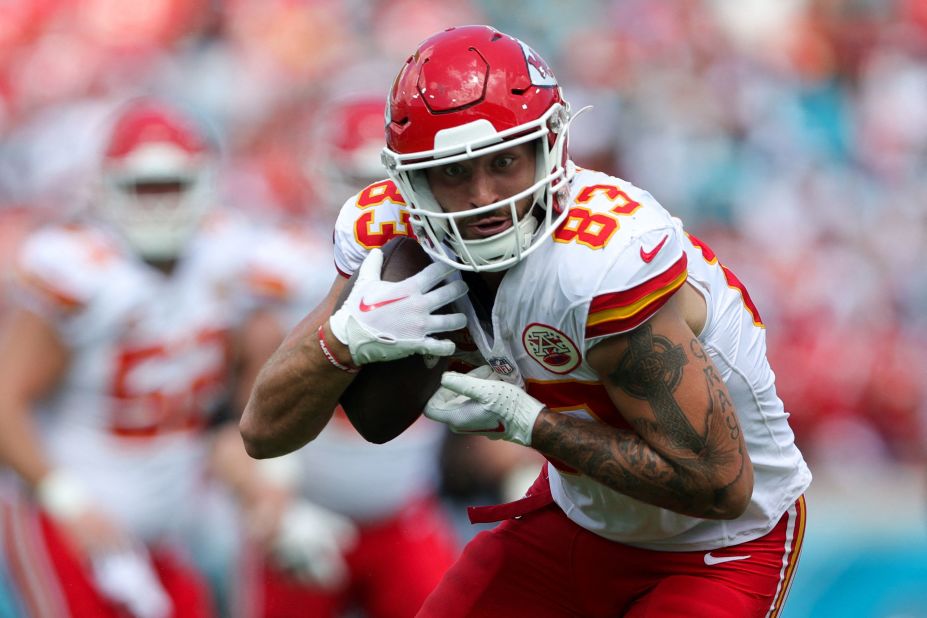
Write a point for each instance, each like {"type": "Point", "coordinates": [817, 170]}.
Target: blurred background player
{"type": "Point", "coordinates": [119, 349]}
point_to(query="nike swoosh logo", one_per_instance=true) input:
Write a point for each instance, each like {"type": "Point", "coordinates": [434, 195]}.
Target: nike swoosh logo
{"type": "Point", "coordinates": [499, 429]}
{"type": "Point", "coordinates": [648, 256]}
{"type": "Point", "coordinates": [713, 560]}
{"type": "Point", "coordinates": [365, 307]}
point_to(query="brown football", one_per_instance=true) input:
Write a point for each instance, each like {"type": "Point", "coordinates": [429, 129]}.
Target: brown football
{"type": "Point", "coordinates": [386, 398]}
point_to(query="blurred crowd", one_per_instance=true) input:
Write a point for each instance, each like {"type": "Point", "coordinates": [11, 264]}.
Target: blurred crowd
{"type": "Point", "coordinates": [790, 134]}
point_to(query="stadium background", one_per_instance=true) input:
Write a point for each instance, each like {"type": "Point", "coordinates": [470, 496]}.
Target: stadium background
{"type": "Point", "coordinates": [790, 134]}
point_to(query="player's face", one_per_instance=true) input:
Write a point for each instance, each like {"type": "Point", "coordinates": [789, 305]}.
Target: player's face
{"type": "Point", "coordinates": [466, 185]}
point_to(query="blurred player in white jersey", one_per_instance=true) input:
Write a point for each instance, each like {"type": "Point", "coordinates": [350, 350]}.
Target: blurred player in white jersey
{"type": "Point", "coordinates": [374, 537]}
{"type": "Point", "coordinates": [616, 344]}
{"type": "Point", "coordinates": [116, 355]}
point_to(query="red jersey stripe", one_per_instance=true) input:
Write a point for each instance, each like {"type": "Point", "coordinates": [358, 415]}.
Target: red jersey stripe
{"type": "Point", "coordinates": [619, 312]}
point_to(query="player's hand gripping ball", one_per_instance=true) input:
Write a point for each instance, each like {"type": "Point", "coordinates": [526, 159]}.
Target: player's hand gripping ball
{"type": "Point", "coordinates": [387, 397]}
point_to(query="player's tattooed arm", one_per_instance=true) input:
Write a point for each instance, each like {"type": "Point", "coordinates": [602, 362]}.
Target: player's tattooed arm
{"type": "Point", "coordinates": [685, 451]}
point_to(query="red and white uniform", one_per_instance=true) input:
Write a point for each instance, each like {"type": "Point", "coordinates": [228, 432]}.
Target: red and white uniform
{"type": "Point", "coordinates": [607, 268]}
{"type": "Point", "coordinates": [149, 364]}
{"type": "Point", "coordinates": [614, 262]}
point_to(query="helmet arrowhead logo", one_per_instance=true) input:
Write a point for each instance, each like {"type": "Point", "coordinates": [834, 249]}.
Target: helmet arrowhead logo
{"type": "Point", "coordinates": [540, 73]}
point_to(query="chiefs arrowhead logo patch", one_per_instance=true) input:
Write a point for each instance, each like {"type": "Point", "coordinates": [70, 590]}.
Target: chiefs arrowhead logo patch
{"type": "Point", "coordinates": [550, 348]}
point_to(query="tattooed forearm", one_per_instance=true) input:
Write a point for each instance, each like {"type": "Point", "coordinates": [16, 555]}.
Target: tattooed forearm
{"type": "Point", "coordinates": [623, 461]}
{"type": "Point", "coordinates": [684, 450]}
{"type": "Point", "coordinates": [722, 415]}
{"type": "Point", "coordinates": [716, 389]}
{"type": "Point", "coordinates": [728, 452]}
{"type": "Point", "coordinates": [651, 369]}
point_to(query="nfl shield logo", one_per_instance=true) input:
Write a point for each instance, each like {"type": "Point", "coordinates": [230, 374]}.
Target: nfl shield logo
{"type": "Point", "coordinates": [501, 365]}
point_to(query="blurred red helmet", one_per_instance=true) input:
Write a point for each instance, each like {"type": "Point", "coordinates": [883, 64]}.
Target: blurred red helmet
{"type": "Point", "coordinates": [156, 176]}
{"type": "Point", "coordinates": [464, 93]}
{"type": "Point", "coordinates": [350, 142]}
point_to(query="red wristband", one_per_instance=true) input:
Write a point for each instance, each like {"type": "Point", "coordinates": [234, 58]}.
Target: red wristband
{"type": "Point", "coordinates": [331, 357]}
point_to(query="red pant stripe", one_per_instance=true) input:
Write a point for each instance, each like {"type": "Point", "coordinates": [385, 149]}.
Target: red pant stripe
{"type": "Point", "coordinates": [794, 535]}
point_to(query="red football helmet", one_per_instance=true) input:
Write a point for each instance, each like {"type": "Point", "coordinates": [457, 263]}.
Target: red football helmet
{"type": "Point", "coordinates": [156, 178]}
{"type": "Point", "coordinates": [464, 93]}
{"type": "Point", "coordinates": [350, 141]}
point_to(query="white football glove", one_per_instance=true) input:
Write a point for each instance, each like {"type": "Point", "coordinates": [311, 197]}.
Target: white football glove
{"type": "Point", "coordinates": [480, 403]}
{"type": "Point", "coordinates": [311, 544]}
{"type": "Point", "coordinates": [63, 496]}
{"type": "Point", "coordinates": [384, 320]}
{"type": "Point", "coordinates": [128, 579]}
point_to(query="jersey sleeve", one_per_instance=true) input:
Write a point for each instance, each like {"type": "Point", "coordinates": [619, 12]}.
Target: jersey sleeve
{"type": "Point", "coordinates": [643, 277]}
{"type": "Point", "coordinates": [289, 272]}
{"type": "Point", "coordinates": [58, 272]}
{"type": "Point", "coordinates": [368, 220]}
{"type": "Point", "coordinates": [348, 252]}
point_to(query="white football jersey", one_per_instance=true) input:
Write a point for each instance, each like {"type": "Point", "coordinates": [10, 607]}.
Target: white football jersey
{"type": "Point", "coordinates": [611, 265]}
{"type": "Point", "coordinates": [149, 362]}
{"type": "Point", "coordinates": [287, 269]}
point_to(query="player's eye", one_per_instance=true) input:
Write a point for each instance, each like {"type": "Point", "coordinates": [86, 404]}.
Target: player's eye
{"type": "Point", "coordinates": [503, 161]}
{"type": "Point", "coordinates": [453, 170]}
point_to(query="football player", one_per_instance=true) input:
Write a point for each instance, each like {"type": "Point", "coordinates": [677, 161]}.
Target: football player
{"type": "Point", "coordinates": [113, 362]}
{"type": "Point", "coordinates": [616, 344]}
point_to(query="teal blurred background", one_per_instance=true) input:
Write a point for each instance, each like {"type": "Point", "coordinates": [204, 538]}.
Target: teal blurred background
{"type": "Point", "coordinates": [865, 551]}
